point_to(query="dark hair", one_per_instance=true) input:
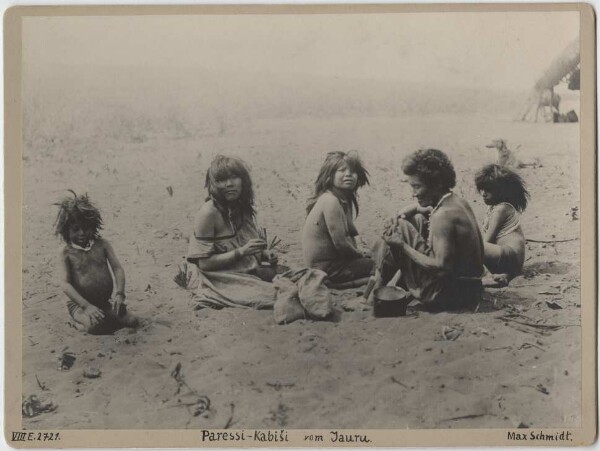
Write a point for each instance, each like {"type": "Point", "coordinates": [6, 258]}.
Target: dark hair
{"type": "Point", "coordinates": [432, 166]}
{"type": "Point", "coordinates": [77, 209]}
{"type": "Point", "coordinates": [504, 184]}
{"type": "Point", "coordinates": [223, 167]}
{"type": "Point", "coordinates": [332, 163]}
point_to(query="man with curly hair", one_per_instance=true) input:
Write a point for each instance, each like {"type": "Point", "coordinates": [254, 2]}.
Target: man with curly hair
{"type": "Point", "coordinates": [436, 243]}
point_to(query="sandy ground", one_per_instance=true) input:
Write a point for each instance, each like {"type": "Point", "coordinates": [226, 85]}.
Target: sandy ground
{"type": "Point", "coordinates": [355, 372]}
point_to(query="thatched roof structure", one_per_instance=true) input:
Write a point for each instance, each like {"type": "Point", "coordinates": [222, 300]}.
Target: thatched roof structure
{"type": "Point", "coordinates": [564, 67]}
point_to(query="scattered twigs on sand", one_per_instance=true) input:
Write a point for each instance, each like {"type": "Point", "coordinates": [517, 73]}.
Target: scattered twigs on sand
{"type": "Point", "coordinates": [391, 363]}
{"type": "Point", "coordinates": [530, 345]}
{"type": "Point", "coordinates": [542, 389]}
{"type": "Point", "coordinates": [550, 327]}
{"type": "Point", "coordinates": [27, 303]}
{"type": "Point", "coordinates": [201, 405]}
{"type": "Point", "coordinates": [538, 387]}
{"type": "Point", "coordinates": [529, 240]}
{"type": "Point", "coordinates": [279, 385]}
{"type": "Point", "coordinates": [466, 417]}
{"type": "Point", "coordinates": [177, 374]}
{"type": "Point", "coordinates": [497, 349]}
{"type": "Point", "coordinates": [517, 320]}
{"type": "Point", "coordinates": [32, 406]}
{"type": "Point", "coordinates": [181, 278]}
{"type": "Point", "coordinates": [41, 384]}
{"type": "Point", "coordinates": [396, 381]}
{"type": "Point", "coordinates": [451, 333]}
{"type": "Point", "coordinates": [230, 420]}
{"type": "Point", "coordinates": [202, 402]}
{"type": "Point", "coordinates": [528, 331]}
{"type": "Point", "coordinates": [534, 284]}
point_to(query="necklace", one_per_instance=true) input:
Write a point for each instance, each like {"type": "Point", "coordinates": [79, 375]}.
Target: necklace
{"type": "Point", "coordinates": [439, 204]}
{"type": "Point", "coordinates": [85, 249]}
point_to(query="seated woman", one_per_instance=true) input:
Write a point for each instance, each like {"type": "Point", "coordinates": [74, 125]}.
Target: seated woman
{"type": "Point", "coordinates": [328, 236]}
{"type": "Point", "coordinates": [504, 243]}
{"type": "Point", "coordinates": [225, 235]}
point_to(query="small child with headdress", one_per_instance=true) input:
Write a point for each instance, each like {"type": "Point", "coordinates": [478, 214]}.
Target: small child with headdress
{"type": "Point", "coordinates": [84, 269]}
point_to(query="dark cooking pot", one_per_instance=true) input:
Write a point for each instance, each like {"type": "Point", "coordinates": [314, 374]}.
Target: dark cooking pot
{"type": "Point", "coordinates": [390, 301]}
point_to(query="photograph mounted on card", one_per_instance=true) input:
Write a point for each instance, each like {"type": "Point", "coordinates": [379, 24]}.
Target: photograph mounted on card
{"type": "Point", "coordinates": [300, 226]}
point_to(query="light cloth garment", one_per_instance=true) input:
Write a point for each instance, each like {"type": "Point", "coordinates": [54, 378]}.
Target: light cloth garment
{"type": "Point", "coordinates": [340, 271]}
{"type": "Point", "coordinates": [294, 294]}
{"type": "Point", "coordinates": [512, 222]}
{"type": "Point", "coordinates": [434, 291]}
{"type": "Point", "coordinates": [202, 247]}
{"type": "Point", "coordinates": [218, 289]}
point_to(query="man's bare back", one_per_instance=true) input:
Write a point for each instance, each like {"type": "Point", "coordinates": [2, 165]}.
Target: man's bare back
{"type": "Point", "coordinates": [455, 216]}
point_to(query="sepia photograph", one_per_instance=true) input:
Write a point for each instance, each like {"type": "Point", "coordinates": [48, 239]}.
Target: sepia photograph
{"type": "Point", "coordinates": [349, 220]}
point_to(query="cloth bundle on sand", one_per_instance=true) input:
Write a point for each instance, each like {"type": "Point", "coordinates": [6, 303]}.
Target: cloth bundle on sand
{"type": "Point", "coordinates": [293, 295]}
{"type": "Point", "coordinates": [301, 294]}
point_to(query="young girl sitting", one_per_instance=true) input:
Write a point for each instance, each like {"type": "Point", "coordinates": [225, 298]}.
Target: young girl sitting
{"type": "Point", "coordinates": [84, 271]}
{"type": "Point", "coordinates": [328, 236]}
{"type": "Point", "coordinates": [504, 243]}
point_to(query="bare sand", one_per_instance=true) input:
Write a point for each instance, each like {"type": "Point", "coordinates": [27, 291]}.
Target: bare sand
{"type": "Point", "coordinates": [355, 372]}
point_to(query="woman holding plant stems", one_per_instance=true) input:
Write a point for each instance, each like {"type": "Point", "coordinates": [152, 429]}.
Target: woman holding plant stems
{"type": "Point", "coordinates": [328, 236]}
{"type": "Point", "coordinates": [225, 236]}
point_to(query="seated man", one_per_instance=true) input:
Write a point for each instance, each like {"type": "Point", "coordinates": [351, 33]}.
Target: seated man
{"type": "Point", "coordinates": [436, 244]}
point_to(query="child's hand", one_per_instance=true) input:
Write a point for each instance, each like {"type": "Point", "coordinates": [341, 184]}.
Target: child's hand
{"type": "Point", "coordinates": [119, 306]}
{"type": "Point", "coordinates": [94, 314]}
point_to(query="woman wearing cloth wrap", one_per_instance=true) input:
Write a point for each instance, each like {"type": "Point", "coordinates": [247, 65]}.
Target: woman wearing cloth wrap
{"type": "Point", "coordinates": [225, 236]}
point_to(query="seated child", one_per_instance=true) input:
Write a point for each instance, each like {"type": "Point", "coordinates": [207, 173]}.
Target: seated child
{"type": "Point", "coordinates": [504, 192]}
{"type": "Point", "coordinates": [84, 272]}
{"type": "Point", "coordinates": [328, 236]}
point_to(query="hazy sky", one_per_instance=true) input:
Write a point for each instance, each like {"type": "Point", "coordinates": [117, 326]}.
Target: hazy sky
{"type": "Point", "coordinates": [471, 49]}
